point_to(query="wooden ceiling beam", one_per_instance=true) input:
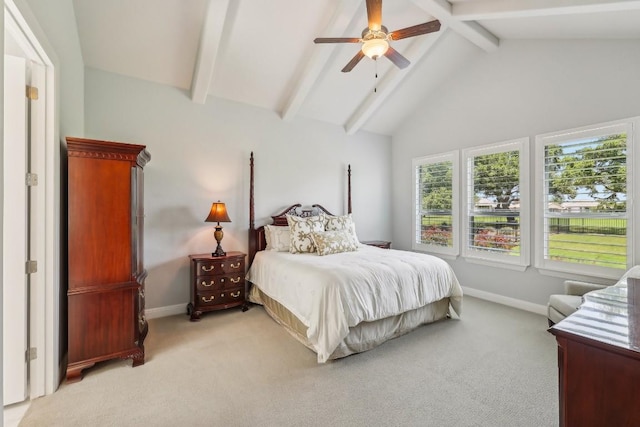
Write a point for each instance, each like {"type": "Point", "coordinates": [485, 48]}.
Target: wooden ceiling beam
{"type": "Point", "coordinates": [472, 31]}
{"type": "Point", "coordinates": [344, 14]}
{"type": "Point", "coordinates": [210, 39]}
{"type": "Point", "coordinates": [503, 9]}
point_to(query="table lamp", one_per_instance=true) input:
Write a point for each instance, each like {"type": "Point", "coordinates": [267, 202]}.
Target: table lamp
{"type": "Point", "coordinates": [218, 214]}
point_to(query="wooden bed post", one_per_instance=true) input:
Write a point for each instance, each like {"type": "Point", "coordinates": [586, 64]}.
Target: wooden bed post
{"type": "Point", "coordinates": [349, 189]}
{"type": "Point", "coordinates": [252, 231]}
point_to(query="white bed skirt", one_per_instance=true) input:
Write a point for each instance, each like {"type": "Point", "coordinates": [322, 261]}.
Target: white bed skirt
{"type": "Point", "coordinates": [363, 336]}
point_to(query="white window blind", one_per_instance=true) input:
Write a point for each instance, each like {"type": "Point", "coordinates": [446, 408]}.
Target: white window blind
{"type": "Point", "coordinates": [496, 200]}
{"type": "Point", "coordinates": [436, 203]}
{"type": "Point", "coordinates": [585, 184]}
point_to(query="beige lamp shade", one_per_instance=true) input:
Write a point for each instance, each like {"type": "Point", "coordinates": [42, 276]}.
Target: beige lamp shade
{"type": "Point", "coordinates": [218, 213]}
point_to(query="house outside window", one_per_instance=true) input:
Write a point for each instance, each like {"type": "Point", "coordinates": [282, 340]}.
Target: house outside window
{"type": "Point", "coordinates": [435, 203]}
{"type": "Point", "coordinates": [495, 214]}
{"type": "Point", "coordinates": [584, 221]}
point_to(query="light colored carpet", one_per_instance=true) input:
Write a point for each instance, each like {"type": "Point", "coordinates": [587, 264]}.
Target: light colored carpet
{"type": "Point", "coordinates": [496, 366]}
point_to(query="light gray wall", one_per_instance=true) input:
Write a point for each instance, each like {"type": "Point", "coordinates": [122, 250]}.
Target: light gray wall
{"type": "Point", "coordinates": [200, 153]}
{"type": "Point", "coordinates": [523, 89]}
{"type": "Point", "coordinates": [58, 21]}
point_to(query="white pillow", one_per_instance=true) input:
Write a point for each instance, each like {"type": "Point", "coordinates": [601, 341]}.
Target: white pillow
{"type": "Point", "coordinates": [344, 222]}
{"type": "Point", "coordinates": [277, 237]}
{"type": "Point", "coordinates": [333, 242]}
{"type": "Point", "coordinates": [300, 230]}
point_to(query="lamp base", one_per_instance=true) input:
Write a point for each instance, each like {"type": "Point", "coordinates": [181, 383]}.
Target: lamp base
{"type": "Point", "coordinates": [218, 234]}
{"type": "Point", "coordinates": [219, 252]}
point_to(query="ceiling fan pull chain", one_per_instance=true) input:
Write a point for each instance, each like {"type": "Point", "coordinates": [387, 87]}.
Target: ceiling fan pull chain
{"type": "Point", "coordinates": [375, 87]}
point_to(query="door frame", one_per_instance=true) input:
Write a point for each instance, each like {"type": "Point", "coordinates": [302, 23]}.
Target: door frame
{"type": "Point", "coordinates": [45, 370]}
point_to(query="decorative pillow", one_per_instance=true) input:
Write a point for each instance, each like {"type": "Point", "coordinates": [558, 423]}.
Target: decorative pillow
{"type": "Point", "coordinates": [333, 242]}
{"type": "Point", "coordinates": [344, 222]}
{"type": "Point", "coordinates": [300, 230]}
{"type": "Point", "coordinates": [277, 237]}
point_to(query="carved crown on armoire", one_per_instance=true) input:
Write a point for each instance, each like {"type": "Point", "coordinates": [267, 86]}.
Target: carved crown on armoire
{"type": "Point", "coordinates": [106, 274]}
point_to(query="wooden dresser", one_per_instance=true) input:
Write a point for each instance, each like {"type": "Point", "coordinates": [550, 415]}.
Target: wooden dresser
{"type": "Point", "coordinates": [216, 283]}
{"type": "Point", "coordinates": [105, 267]}
{"type": "Point", "coordinates": [599, 359]}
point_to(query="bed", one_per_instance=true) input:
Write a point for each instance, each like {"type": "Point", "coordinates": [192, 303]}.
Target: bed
{"type": "Point", "coordinates": [345, 298]}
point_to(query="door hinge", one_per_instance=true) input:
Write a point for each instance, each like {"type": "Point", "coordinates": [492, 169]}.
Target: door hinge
{"type": "Point", "coordinates": [32, 93]}
{"type": "Point", "coordinates": [32, 266]}
{"type": "Point", "coordinates": [31, 353]}
{"type": "Point", "coordinates": [32, 179]}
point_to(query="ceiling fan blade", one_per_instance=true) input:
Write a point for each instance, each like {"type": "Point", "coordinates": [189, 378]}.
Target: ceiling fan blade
{"type": "Point", "coordinates": [336, 40]}
{"type": "Point", "coordinates": [416, 30]}
{"type": "Point", "coordinates": [354, 61]}
{"type": "Point", "coordinates": [374, 14]}
{"type": "Point", "coordinates": [395, 57]}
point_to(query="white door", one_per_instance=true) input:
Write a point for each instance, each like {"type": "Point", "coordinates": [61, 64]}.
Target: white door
{"type": "Point", "coordinates": [14, 280]}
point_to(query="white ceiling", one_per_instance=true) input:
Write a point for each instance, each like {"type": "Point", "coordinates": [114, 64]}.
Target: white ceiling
{"type": "Point", "coordinates": [262, 52]}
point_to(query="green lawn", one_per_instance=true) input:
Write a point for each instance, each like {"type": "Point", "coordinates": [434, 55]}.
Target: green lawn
{"type": "Point", "coordinates": [601, 250]}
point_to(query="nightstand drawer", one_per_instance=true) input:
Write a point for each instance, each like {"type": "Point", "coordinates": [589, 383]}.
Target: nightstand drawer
{"type": "Point", "coordinates": [221, 298]}
{"type": "Point", "coordinates": [218, 283]}
{"type": "Point", "coordinates": [215, 267]}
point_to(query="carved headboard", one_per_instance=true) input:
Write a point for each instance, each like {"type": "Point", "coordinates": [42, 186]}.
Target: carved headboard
{"type": "Point", "coordinates": [257, 241]}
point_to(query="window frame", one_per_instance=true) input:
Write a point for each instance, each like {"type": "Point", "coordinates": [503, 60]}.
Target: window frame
{"type": "Point", "coordinates": [446, 251]}
{"type": "Point", "coordinates": [561, 268]}
{"type": "Point", "coordinates": [522, 261]}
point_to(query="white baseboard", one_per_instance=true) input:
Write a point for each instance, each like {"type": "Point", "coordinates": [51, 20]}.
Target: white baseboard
{"type": "Point", "coordinates": [511, 302]}
{"type": "Point", "coordinates": [169, 310]}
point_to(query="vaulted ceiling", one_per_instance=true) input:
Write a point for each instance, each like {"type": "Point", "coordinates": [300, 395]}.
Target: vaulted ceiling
{"type": "Point", "coordinates": [262, 53]}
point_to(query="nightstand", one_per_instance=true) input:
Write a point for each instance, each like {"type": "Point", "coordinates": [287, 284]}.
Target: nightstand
{"type": "Point", "coordinates": [216, 283]}
{"type": "Point", "coordinates": [379, 243]}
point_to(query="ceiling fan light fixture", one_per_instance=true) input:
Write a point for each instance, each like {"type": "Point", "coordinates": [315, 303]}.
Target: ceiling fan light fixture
{"type": "Point", "coordinates": [375, 48]}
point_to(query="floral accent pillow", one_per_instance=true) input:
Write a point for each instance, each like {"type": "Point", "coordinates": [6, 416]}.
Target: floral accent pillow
{"type": "Point", "coordinates": [277, 237]}
{"type": "Point", "coordinates": [344, 222]}
{"type": "Point", "coordinates": [333, 242]}
{"type": "Point", "coordinates": [300, 230]}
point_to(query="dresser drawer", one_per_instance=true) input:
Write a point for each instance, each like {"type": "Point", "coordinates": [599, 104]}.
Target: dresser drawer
{"type": "Point", "coordinates": [220, 298]}
{"type": "Point", "coordinates": [210, 267]}
{"type": "Point", "coordinates": [219, 283]}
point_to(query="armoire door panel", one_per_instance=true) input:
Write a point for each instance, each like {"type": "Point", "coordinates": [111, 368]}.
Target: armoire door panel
{"type": "Point", "coordinates": [99, 221]}
{"type": "Point", "coordinates": [108, 323]}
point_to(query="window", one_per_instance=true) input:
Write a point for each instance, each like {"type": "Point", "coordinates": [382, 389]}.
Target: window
{"type": "Point", "coordinates": [496, 224]}
{"type": "Point", "coordinates": [584, 180]}
{"type": "Point", "coordinates": [436, 203]}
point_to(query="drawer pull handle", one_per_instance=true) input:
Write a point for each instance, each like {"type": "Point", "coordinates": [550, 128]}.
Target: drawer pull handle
{"type": "Point", "coordinates": [211, 283]}
{"type": "Point", "coordinates": [236, 280]}
{"type": "Point", "coordinates": [236, 265]}
{"type": "Point", "coordinates": [236, 295]}
{"type": "Point", "coordinates": [204, 299]}
{"type": "Point", "coordinates": [204, 268]}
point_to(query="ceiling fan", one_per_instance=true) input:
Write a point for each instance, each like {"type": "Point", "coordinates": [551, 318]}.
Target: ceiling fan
{"type": "Point", "coordinates": [375, 38]}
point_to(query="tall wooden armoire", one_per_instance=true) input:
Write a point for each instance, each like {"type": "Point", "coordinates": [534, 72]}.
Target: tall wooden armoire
{"type": "Point", "coordinates": [106, 272]}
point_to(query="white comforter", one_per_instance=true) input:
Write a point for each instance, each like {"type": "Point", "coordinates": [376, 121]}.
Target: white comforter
{"type": "Point", "coordinates": [331, 293]}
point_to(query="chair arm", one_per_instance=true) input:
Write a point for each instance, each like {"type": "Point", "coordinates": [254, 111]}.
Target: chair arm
{"type": "Point", "coordinates": [574, 287]}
